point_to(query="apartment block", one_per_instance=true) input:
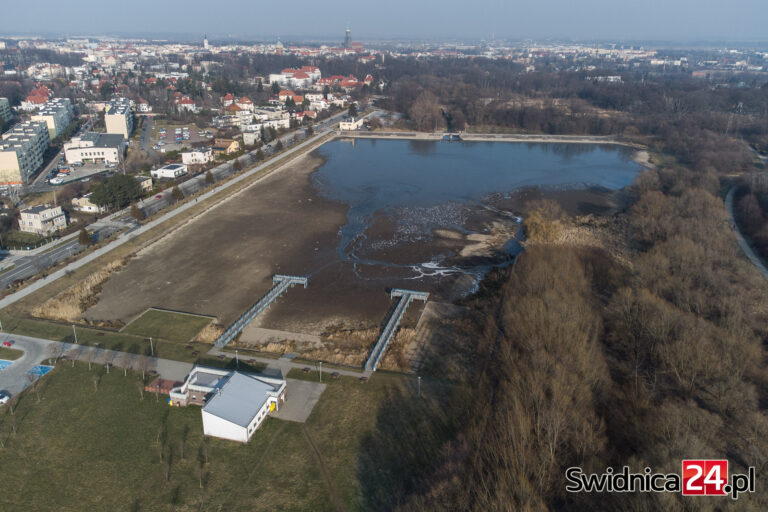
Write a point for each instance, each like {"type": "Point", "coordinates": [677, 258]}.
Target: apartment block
{"type": "Point", "coordinates": [21, 151]}
{"type": "Point", "coordinates": [118, 117]}
{"type": "Point", "coordinates": [57, 114]}
{"type": "Point", "coordinates": [5, 110]}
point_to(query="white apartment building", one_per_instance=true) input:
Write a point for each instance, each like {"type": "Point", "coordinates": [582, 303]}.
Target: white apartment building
{"type": "Point", "coordinates": [56, 113]}
{"type": "Point", "coordinates": [197, 156]}
{"type": "Point", "coordinates": [21, 152]}
{"type": "Point", "coordinates": [94, 147]}
{"type": "Point", "coordinates": [42, 220]}
{"type": "Point", "coordinates": [118, 117]}
{"type": "Point", "coordinates": [5, 110]}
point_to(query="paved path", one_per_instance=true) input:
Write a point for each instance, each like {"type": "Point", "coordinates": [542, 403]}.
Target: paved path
{"type": "Point", "coordinates": [39, 351]}
{"type": "Point", "coordinates": [745, 247]}
{"type": "Point", "coordinates": [15, 378]}
{"type": "Point", "coordinates": [285, 364]}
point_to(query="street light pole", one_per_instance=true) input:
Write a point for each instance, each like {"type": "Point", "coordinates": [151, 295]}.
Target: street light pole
{"type": "Point", "coordinates": [419, 378]}
{"type": "Point", "coordinates": [237, 360]}
{"type": "Point", "coordinates": [151, 347]}
{"type": "Point", "coordinates": [74, 331]}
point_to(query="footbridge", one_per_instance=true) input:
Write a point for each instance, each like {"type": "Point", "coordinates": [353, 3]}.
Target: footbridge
{"type": "Point", "coordinates": [406, 296]}
{"type": "Point", "coordinates": [281, 284]}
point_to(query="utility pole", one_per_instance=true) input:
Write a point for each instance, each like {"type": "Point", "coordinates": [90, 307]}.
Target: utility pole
{"type": "Point", "coordinates": [74, 331]}
{"type": "Point", "coordinates": [151, 347]}
{"type": "Point", "coordinates": [321, 371]}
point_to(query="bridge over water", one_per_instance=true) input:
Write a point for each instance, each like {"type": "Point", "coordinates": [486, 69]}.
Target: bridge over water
{"type": "Point", "coordinates": [281, 284]}
{"type": "Point", "coordinates": [406, 296]}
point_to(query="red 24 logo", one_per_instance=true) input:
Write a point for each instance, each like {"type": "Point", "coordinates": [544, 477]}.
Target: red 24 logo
{"type": "Point", "coordinates": [705, 478]}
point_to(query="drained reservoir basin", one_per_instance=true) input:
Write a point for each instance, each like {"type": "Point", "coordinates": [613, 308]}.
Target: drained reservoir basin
{"type": "Point", "coordinates": [358, 219]}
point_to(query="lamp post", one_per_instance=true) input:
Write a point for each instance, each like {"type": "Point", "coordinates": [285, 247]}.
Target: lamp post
{"type": "Point", "coordinates": [321, 371]}
{"type": "Point", "coordinates": [151, 347]}
{"type": "Point", "coordinates": [74, 331]}
{"type": "Point", "coordinates": [419, 379]}
{"type": "Point", "coordinates": [237, 360]}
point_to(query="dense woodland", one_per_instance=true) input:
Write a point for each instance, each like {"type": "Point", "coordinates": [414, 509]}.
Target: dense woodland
{"type": "Point", "coordinates": [580, 360]}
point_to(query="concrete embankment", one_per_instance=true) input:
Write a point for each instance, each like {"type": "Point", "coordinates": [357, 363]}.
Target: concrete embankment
{"type": "Point", "coordinates": [490, 137]}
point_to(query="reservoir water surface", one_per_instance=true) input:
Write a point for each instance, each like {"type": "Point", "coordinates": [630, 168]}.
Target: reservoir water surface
{"type": "Point", "coordinates": [427, 183]}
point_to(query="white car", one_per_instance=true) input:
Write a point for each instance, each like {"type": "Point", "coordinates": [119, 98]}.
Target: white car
{"type": "Point", "coordinates": [4, 397]}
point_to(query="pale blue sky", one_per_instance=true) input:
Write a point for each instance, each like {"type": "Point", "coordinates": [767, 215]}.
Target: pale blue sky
{"type": "Point", "coordinates": [669, 20]}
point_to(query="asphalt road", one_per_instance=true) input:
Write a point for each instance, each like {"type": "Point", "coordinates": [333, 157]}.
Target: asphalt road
{"type": "Point", "coordinates": [27, 266]}
{"type": "Point", "coordinates": [146, 134]}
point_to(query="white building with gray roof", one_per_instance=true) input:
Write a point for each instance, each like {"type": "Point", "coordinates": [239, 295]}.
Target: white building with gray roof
{"type": "Point", "coordinates": [235, 404]}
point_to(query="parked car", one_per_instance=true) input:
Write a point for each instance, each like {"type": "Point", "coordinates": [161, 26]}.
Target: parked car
{"type": "Point", "coordinates": [8, 343]}
{"type": "Point", "coordinates": [159, 196]}
{"type": "Point", "coordinates": [4, 397]}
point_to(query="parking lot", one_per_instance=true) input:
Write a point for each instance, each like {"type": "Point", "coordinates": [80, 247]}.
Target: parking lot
{"type": "Point", "coordinates": [169, 142]}
{"type": "Point", "coordinates": [81, 173]}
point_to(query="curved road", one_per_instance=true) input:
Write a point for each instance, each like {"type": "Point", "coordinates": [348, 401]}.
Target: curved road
{"type": "Point", "coordinates": [745, 247]}
{"type": "Point", "coordinates": [14, 378]}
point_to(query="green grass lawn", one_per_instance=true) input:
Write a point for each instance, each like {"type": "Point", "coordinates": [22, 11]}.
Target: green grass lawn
{"type": "Point", "coordinates": [121, 341]}
{"type": "Point", "coordinates": [167, 325]}
{"type": "Point", "coordinates": [92, 443]}
{"type": "Point", "coordinates": [10, 354]}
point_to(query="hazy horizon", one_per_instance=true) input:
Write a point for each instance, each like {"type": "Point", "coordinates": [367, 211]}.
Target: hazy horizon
{"type": "Point", "coordinates": [654, 20]}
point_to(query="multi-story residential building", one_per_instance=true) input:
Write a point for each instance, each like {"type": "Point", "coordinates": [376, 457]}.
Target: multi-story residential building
{"type": "Point", "coordinates": [118, 117]}
{"type": "Point", "coordinates": [57, 114]}
{"type": "Point", "coordinates": [43, 220]}
{"type": "Point", "coordinates": [95, 147]}
{"type": "Point", "coordinates": [21, 151]}
{"type": "Point", "coordinates": [197, 156]}
{"type": "Point", "coordinates": [5, 110]}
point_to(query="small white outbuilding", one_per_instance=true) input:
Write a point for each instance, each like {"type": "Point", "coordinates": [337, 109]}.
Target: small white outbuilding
{"type": "Point", "coordinates": [240, 405]}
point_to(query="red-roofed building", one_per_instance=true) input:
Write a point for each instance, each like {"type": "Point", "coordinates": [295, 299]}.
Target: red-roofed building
{"type": "Point", "coordinates": [227, 100]}
{"type": "Point", "coordinates": [36, 98]}
{"type": "Point", "coordinates": [187, 104]}
{"type": "Point", "coordinates": [245, 103]}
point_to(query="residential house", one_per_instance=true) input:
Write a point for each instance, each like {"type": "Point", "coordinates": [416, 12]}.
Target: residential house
{"type": "Point", "coordinates": [225, 146]}
{"type": "Point", "coordinates": [43, 220]}
{"type": "Point", "coordinates": [197, 156]}
{"type": "Point", "coordinates": [84, 204]}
